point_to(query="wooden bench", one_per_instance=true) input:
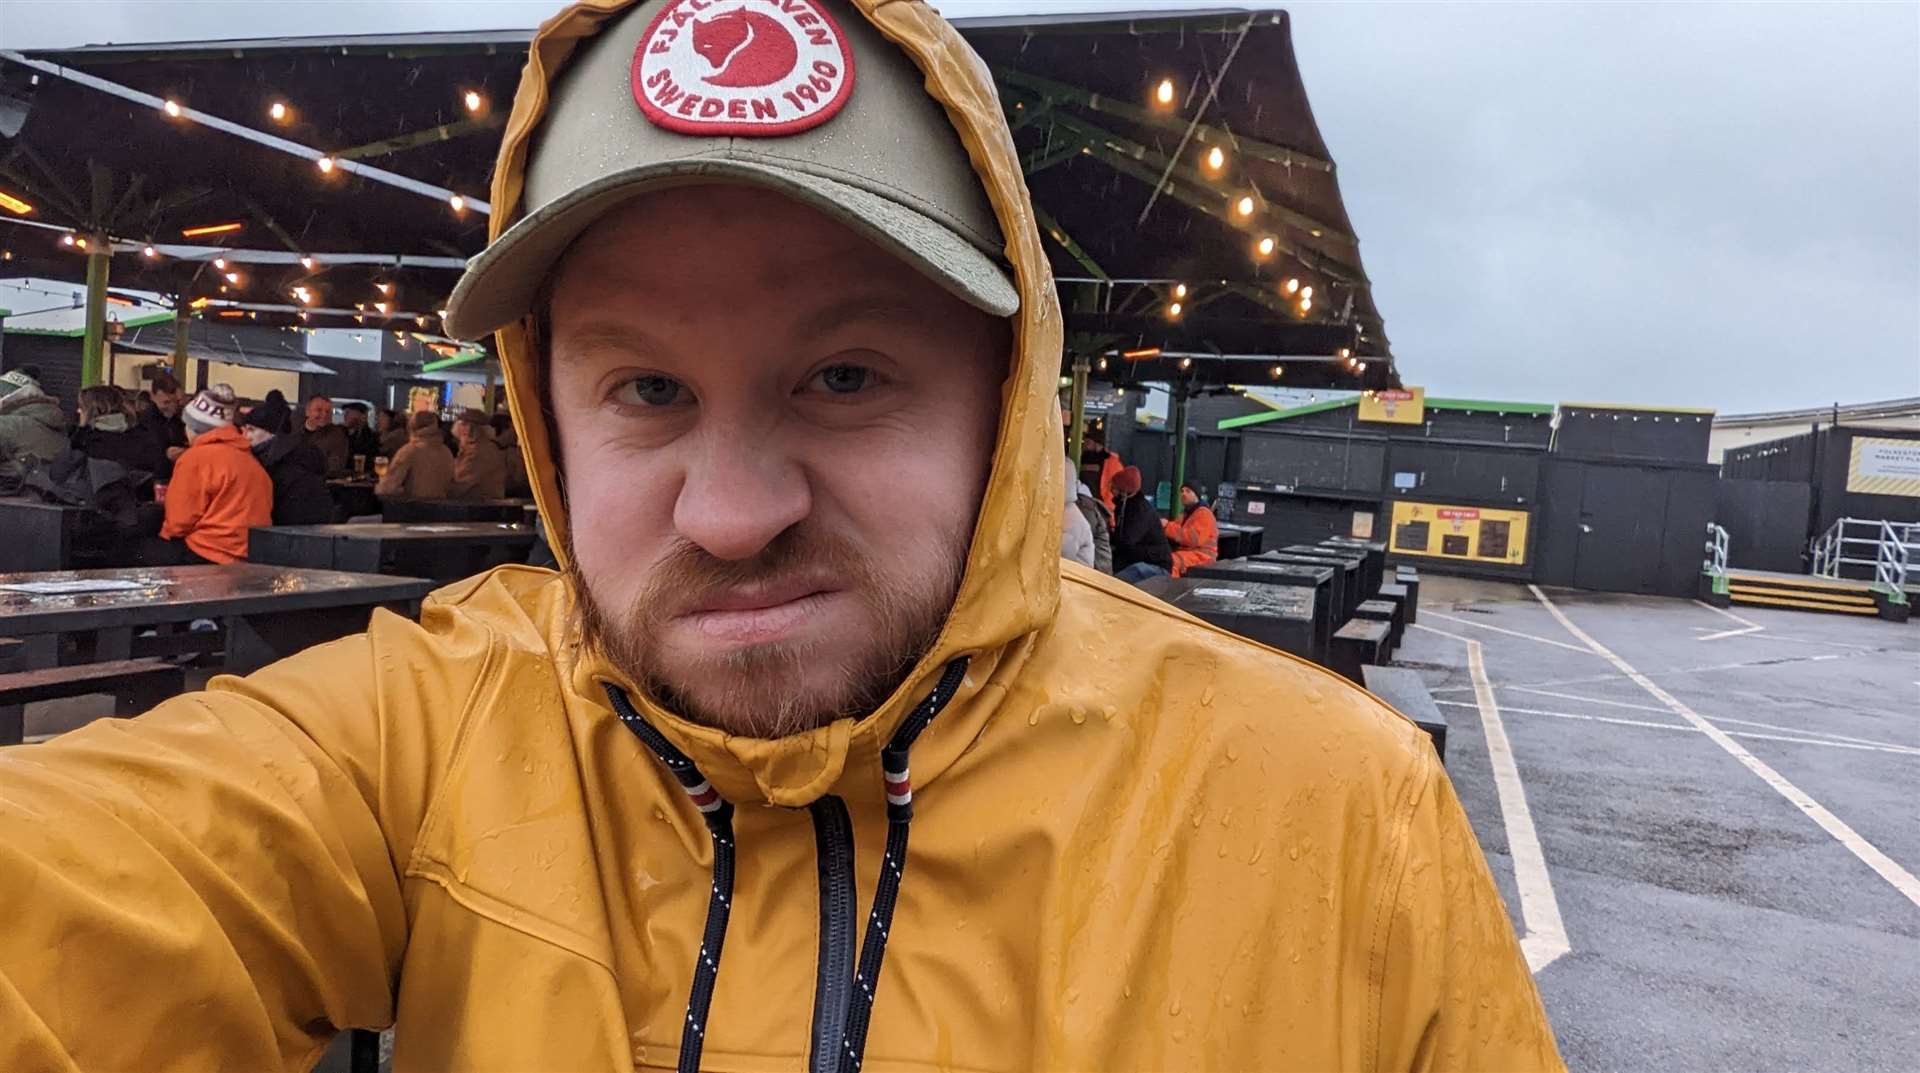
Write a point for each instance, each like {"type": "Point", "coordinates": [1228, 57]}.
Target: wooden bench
{"type": "Point", "coordinates": [136, 685]}
{"type": "Point", "coordinates": [1403, 689]}
{"type": "Point", "coordinates": [1355, 645]}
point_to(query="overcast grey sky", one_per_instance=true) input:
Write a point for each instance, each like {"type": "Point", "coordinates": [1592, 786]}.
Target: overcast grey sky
{"type": "Point", "coordinates": [1679, 204]}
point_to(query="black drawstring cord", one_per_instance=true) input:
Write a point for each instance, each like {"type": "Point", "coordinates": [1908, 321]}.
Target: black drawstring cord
{"type": "Point", "coordinates": [886, 894]}
{"type": "Point", "coordinates": [719, 816]}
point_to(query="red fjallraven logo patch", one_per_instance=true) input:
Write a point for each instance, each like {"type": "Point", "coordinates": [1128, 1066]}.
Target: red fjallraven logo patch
{"type": "Point", "coordinates": [742, 67]}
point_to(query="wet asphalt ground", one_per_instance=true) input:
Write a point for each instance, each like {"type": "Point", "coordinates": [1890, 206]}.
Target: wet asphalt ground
{"type": "Point", "coordinates": [1711, 921]}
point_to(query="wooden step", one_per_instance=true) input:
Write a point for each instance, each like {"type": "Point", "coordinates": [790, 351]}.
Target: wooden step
{"type": "Point", "coordinates": [1817, 595]}
{"type": "Point", "coordinates": [1807, 581]}
{"type": "Point", "coordinates": [1804, 605]}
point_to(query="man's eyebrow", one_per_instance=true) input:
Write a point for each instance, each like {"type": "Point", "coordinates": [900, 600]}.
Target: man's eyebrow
{"type": "Point", "coordinates": [606, 335]}
{"type": "Point", "coordinates": [862, 307]}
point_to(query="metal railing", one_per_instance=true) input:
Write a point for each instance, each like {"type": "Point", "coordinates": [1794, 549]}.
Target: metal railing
{"type": "Point", "coordinates": [1886, 548]}
{"type": "Point", "coordinates": [1715, 565]}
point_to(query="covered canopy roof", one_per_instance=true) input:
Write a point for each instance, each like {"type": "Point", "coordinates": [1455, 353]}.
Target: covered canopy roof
{"type": "Point", "coordinates": [1171, 158]}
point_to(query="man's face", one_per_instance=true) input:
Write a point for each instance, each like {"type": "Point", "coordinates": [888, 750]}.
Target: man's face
{"type": "Point", "coordinates": [354, 420]}
{"type": "Point", "coordinates": [463, 432]}
{"type": "Point", "coordinates": [167, 402]}
{"type": "Point", "coordinates": [319, 412]}
{"type": "Point", "coordinates": [774, 438]}
{"type": "Point", "coordinates": [1187, 498]}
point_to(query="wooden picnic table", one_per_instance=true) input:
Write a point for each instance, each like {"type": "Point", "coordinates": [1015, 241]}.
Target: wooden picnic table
{"type": "Point", "coordinates": [442, 551]}
{"type": "Point", "coordinates": [454, 510]}
{"type": "Point", "coordinates": [266, 612]}
{"type": "Point", "coordinates": [37, 535]}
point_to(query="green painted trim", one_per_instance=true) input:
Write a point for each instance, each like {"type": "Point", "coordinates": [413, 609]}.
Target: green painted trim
{"type": "Point", "coordinates": [1297, 411]}
{"type": "Point", "coordinates": [6, 313]}
{"type": "Point", "coordinates": [1490, 405]}
{"type": "Point", "coordinates": [465, 357]}
{"type": "Point", "coordinates": [78, 333]}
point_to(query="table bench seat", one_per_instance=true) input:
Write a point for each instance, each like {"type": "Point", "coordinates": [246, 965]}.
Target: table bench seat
{"type": "Point", "coordinates": [1403, 689]}
{"type": "Point", "coordinates": [136, 685]}
{"type": "Point", "coordinates": [1355, 645]}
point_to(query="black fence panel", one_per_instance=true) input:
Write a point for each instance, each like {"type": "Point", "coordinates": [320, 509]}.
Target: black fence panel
{"type": "Point", "coordinates": [1766, 522]}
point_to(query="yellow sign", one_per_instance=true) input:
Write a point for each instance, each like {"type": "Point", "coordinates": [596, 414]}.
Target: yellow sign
{"type": "Point", "coordinates": [1476, 534]}
{"type": "Point", "coordinates": [1884, 467]}
{"type": "Point", "coordinates": [1400, 406]}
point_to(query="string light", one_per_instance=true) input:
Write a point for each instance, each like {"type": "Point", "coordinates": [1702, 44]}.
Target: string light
{"type": "Point", "coordinates": [1186, 363]}
{"type": "Point", "coordinates": [233, 277]}
{"type": "Point", "coordinates": [1277, 370]}
{"type": "Point", "coordinates": [1346, 352]}
{"type": "Point", "coordinates": [1306, 293]}
{"type": "Point", "coordinates": [1306, 304]}
{"type": "Point", "coordinates": [1362, 366]}
{"type": "Point", "coordinates": [1173, 311]}
{"type": "Point", "coordinates": [6, 255]}
{"type": "Point", "coordinates": [459, 203]}
{"type": "Point", "coordinates": [1293, 286]}
{"type": "Point", "coordinates": [306, 262]}
{"type": "Point", "coordinates": [82, 243]}
{"type": "Point", "coordinates": [278, 111]}
{"type": "Point", "coordinates": [381, 306]}
{"type": "Point", "coordinates": [150, 252]}
{"type": "Point", "coordinates": [420, 321]}
{"type": "Point", "coordinates": [1103, 361]}
{"type": "Point", "coordinates": [220, 263]}
{"type": "Point", "coordinates": [172, 108]}
{"type": "Point", "coordinates": [1179, 290]}
{"type": "Point", "coordinates": [1164, 94]}
{"type": "Point", "coordinates": [383, 288]}
{"type": "Point", "coordinates": [1244, 206]}
{"type": "Point", "coordinates": [1216, 159]}
{"type": "Point", "coordinates": [66, 240]}
{"type": "Point", "coordinates": [325, 164]}
{"type": "Point", "coordinates": [1264, 248]}
{"type": "Point", "coordinates": [473, 101]}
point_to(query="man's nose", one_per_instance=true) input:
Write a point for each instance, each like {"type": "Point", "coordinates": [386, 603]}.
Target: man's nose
{"type": "Point", "coordinates": [739, 492]}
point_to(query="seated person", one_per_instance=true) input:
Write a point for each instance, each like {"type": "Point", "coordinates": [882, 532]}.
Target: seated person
{"type": "Point", "coordinates": [423, 468]}
{"type": "Point", "coordinates": [1140, 548]}
{"type": "Point", "coordinates": [393, 433]}
{"type": "Point", "coordinates": [109, 431]}
{"type": "Point", "coordinates": [1196, 536]}
{"type": "Point", "coordinates": [32, 428]}
{"type": "Point", "coordinates": [518, 486]}
{"type": "Point", "coordinates": [218, 492]}
{"type": "Point", "coordinates": [362, 441]}
{"type": "Point", "coordinates": [298, 470]}
{"type": "Point", "coordinates": [480, 470]}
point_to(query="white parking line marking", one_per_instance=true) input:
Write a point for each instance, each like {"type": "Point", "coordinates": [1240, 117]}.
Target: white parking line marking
{"type": "Point", "coordinates": [1818, 733]}
{"type": "Point", "coordinates": [1873, 746]}
{"type": "Point", "coordinates": [1901, 879]}
{"type": "Point", "coordinates": [1747, 627]}
{"type": "Point", "coordinates": [1509, 633]}
{"type": "Point", "coordinates": [1585, 700]}
{"type": "Point", "coordinates": [1546, 934]}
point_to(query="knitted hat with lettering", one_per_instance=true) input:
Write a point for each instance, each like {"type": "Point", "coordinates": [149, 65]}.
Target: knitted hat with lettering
{"type": "Point", "coordinates": [211, 409]}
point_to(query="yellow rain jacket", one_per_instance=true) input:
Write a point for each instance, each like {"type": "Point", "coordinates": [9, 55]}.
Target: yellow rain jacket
{"type": "Point", "coordinates": [1137, 842]}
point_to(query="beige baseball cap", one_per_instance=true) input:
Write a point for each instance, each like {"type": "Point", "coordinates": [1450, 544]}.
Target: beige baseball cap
{"type": "Point", "coordinates": [803, 97]}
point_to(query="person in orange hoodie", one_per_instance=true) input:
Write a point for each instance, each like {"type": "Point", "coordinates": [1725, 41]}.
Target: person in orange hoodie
{"type": "Point", "coordinates": [219, 490]}
{"type": "Point", "coordinates": [1196, 536]}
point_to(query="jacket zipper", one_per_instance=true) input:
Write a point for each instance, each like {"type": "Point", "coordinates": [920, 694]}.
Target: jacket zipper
{"type": "Point", "coordinates": [833, 990]}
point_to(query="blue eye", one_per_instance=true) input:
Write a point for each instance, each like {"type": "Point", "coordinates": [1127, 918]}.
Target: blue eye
{"type": "Point", "coordinates": [649, 391]}
{"type": "Point", "coordinates": [844, 379]}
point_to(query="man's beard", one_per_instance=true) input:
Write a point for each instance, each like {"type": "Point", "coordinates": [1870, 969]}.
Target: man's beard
{"type": "Point", "coordinates": [756, 691]}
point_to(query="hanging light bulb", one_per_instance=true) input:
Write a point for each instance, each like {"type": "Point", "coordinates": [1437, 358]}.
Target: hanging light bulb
{"type": "Point", "coordinates": [1362, 367]}
{"type": "Point", "coordinates": [1179, 290]}
{"type": "Point", "coordinates": [220, 263]}
{"type": "Point", "coordinates": [1186, 363]}
{"type": "Point", "coordinates": [66, 240]}
{"type": "Point", "coordinates": [381, 306]}
{"type": "Point", "coordinates": [459, 203]}
{"type": "Point", "coordinates": [1216, 159]}
{"type": "Point", "coordinates": [1346, 352]}
{"type": "Point", "coordinates": [1245, 205]}
{"type": "Point", "coordinates": [278, 111]}
{"type": "Point", "coordinates": [1164, 93]}
{"type": "Point", "coordinates": [306, 262]}
{"type": "Point", "coordinates": [1306, 304]}
{"type": "Point", "coordinates": [80, 242]}
{"type": "Point", "coordinates": [1277, 370]}
{"type": "Point", "coordinates": [473, 101]}
{"type": "Point", "coordinates": [1264, 248]}
{"type": "Point", "coordinates": [1293, 286]}
{"type": "Point", "coordinates": [233, 277]}
{"type": "Point", "coordinates": [150, 252]}
{"type": "Point", "coordinates": [383, 288]}
{"type": "Point", "coordinates": [1103, 365]}
{"type": "Point", "coordinates": [172, 108]}
{"type": "Point", "coordinates": [325, 164]}
{"type": "Point", "coordinates": [1173, 311]}
{"type": "Point", "coordinates": [420, 321]}
{"type": "Point", "coordinates": [1306, 292]}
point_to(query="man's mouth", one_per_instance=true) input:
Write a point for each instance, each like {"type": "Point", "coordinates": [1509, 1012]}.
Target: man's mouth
{"type": "Point", "coordinates": [757, 614]}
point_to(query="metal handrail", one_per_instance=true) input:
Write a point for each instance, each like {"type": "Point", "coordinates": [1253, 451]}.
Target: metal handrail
{"type": "Point", "coordinates": [1894, 546]}
{"type": "Point", "coordinates": [1715, 564]}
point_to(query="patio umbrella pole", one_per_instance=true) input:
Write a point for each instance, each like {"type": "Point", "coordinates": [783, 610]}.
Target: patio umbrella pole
{"type": "Point", "coordinates": [1182, 396]}
{"type": "Point", "coordinates": [1081, 367]}
{"type": "Point", "coordinates": [91, 365]}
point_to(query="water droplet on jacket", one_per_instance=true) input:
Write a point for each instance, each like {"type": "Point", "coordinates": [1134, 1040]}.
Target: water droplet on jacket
{"type": "Point", "coordinates": [1198, 818]}
{"type": "Point", "coordinates": [1174, 1009]}
{"type": "Point", "coordinates": [1079, 716]}
{"type": "Point", "coordinates": [1033, 717]}
{"type": "Point", "coordinates": [1257, 850]}
{"type": "Point", "coordinates": [1293, 853]}
{"type": "Point", "coordinates": [1126, 990]}
{"type": "Point", "coordinates": [1232, 754]}
{"type": "Point", "coordinates": [1206, 696]}
{"type": "Point", "coordinates": [1108, 713]}
{"type": "Point", "coordinates": [1226, 818]}
{"type": "Point", "coordinates": [1073, 995]}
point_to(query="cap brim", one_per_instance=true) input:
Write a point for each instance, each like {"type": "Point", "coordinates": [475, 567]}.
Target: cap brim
{"type": "Point", "coordinates": [499, 285]}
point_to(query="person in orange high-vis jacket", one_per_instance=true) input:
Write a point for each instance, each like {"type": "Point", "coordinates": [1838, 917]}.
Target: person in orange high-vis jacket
{"type": "Point", "coordinates": [1196, 536]}
{"type": "Point", "coordinates": [218, 491]}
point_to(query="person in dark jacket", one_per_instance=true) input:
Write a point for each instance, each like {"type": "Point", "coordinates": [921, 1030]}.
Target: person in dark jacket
{"type": "Point", "coordinates": [362, 440]}
{"type": "Point", "coordinates": [1140, 548]}
{"type": "Point", "coordinates": [107, 431]}
{"type": "Point", "coordinates": [164, 422]}
{"type": "Point", "coordinates": [299, 472]}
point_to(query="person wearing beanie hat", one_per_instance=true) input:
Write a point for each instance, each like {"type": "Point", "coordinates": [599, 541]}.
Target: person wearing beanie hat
{"type": "Point", "coordinates": [33, 429]}
{"type": "Point", "coordinates": [480, 469]}
{"type": "Point", "coordinates": [423, 467]}
{"type": "Point", "coordinates": [1195, 535]}
{"type": "Point", "coordinates": [296, 467]}
{"type": "Point", "coordinates": [1140, 548]}
{"type": "Point", "coordinates": [812, 755]}
{"type": "Point", "coordinates": [219, 491]}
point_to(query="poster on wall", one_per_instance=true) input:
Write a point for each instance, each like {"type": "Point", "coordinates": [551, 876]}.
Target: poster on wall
{"type": "Point", "coordinates": [1362, 525]}
{"type": "Point", "coordinates": [1884, 467]}
{"type": "Point", "coordinates": [1399, 406]}
{"type": "Point", "coordinates": [1477, 534]}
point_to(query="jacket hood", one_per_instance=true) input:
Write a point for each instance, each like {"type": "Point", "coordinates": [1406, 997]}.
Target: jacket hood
{"type": "Point", "coordinates": [1010, 587]}
{"type": "Point", "coordinates": [34, 404]}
